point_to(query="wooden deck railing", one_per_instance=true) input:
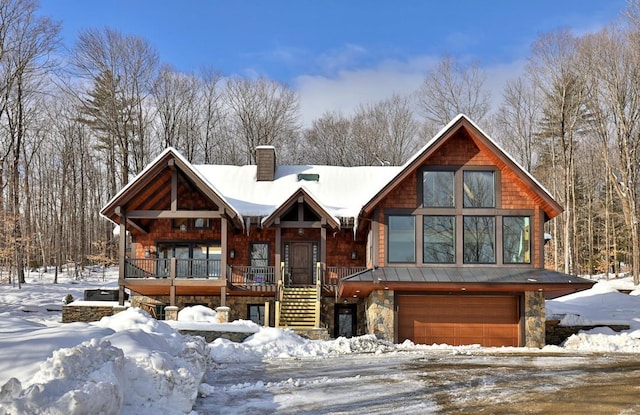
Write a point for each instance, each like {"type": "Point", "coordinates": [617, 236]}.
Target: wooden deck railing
{"type": "Point", "coordinates": [248, 275]}
{"type": "Point", "coordinates": [161, 268]}
{"type": "Point", "coordinates": [236, 275]}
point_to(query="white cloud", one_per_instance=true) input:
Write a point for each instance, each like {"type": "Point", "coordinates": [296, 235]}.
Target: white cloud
{"type": "Point", "coordinates": [352, 88]}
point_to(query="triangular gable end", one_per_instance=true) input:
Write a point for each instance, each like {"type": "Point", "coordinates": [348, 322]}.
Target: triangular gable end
{"type": "Point", "coordinates": [484, 142]}
{"type": "Point", "coordinates": [157, 173]}
{"type": "Point", "coordinates": [311, 201]}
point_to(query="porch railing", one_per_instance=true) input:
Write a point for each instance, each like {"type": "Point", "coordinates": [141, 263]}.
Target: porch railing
{"type": "Point", "coordinates": [237, 275]}
{"type": "Point", "coordinates": [333, 274]}
{"type": "Point", "coordinates": [248, 275]}
{"type": "Point", "coordinates": [161, 268]}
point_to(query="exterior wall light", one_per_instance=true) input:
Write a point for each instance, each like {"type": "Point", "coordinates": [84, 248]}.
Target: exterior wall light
{"type": "Point", "coordinates": [232, 254]}
{"type": "Point", "coordinates": [353, 254]}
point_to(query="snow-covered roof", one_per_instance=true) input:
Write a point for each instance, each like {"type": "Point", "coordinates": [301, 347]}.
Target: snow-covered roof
{"type": "Point", "coordinates": [341, 191]}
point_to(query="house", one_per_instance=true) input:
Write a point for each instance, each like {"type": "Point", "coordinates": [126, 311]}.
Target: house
{"type": "Point", "coordinates": [447, 248]}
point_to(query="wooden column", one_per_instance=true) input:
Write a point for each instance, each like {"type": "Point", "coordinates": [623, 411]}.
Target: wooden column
{"type": "Point", "coordinates": [323, 251]}
{"type": "Point", "coordinates": [172, 288]}
{"type": "Point", "coordinates": [122, 248]}
{"type": "Point", "coordinates": [223, 247]}
{"type": "Point", "coordinates": [278, 255]}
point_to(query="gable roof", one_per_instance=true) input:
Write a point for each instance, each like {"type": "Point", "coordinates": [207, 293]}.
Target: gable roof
{"type": "Point", "coordinates": [148, 174]}
{"type": "Point", "coordinates": [550, 206]}
{"type": "Point", "coordinates": [315, 205]}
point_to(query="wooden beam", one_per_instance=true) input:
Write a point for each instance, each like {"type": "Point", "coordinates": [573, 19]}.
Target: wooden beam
{"type": "Point", "coordinates": [301, 224]}
{"type": "Point", "coordinates": [169, 214]}
{"type": "Point", "coordinates": [137, 226]}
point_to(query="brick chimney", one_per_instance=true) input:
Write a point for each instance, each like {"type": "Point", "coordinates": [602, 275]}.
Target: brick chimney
{"type": "Point", "coordinates": [266, 161]}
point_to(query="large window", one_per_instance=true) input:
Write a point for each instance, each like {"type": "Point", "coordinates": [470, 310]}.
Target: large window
{"type": "Point", "coordinates": [439, 239]}
{"type": "Point", "coordinates": [516, 245]}
{"type": "Point", "coordinates": [479, 189]}
{"type": "Point", "coordinates": [437, 189]}
{"type": "Point", "coordinates": [402, 239]}
{"type": "Point", "coordinates": [479, 240]}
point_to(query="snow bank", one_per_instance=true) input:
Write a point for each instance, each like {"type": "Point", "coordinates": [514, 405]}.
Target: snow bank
{"type": "Point", "coordinates": [271, 343]}
{"type": "Point", "coordinates": [144, 366]}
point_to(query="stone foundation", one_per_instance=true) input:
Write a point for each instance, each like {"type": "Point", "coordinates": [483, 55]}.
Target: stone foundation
{"type": "Point", "coordinates": [380, 314]}
{"type": "Point", "coordinates": [534, 318]}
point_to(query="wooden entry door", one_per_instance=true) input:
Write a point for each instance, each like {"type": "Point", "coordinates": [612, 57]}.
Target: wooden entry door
{"type": "Point", "coordinates": [301, 263]}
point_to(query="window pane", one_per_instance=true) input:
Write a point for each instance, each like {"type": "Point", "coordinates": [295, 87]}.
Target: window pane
{"type": "Point", "coordinates": [437, 189]}
{"type": "Point", "coordinates": [201, 223]}
{"type": "Point", "coordinates": [259, 255]}
{"type": "Point", "coordinates": [402, 239]}
{"type": "Point", "coordinates": [479, 239]}
{"type": "Point", "coordinates": [479, 189]}
{"type": "Point", "coordinates": [516, 241]}
{"type": "Point", "coordinates": [439, 239]}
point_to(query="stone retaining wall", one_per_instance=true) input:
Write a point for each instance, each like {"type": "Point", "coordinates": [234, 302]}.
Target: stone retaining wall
{"type": "Point", "coordinates": [210, 336]}
{"type": "Point", "coordinates": [86, 313]}
{"type": "Point", "coordinates": [556, 334]}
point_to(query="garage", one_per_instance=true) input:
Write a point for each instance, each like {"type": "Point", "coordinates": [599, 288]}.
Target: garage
{"type": "Point", "coordinates": [488, 320]}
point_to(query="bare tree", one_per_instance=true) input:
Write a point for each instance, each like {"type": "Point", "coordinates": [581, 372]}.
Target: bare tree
{"type": "Point", "coordinates": [263, 112]}
{"type": "Point", "coordinates": [451, 88]}
{"type": "Point", "coordinates": [612, 62]}
{"type": "Point", "coordinates": [517, 119]}
{"type": "Point", "coordinates": [28, 42]}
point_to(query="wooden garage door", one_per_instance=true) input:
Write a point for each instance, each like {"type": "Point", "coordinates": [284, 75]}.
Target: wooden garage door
{"type": "Point", "coordinates": [459, 319]}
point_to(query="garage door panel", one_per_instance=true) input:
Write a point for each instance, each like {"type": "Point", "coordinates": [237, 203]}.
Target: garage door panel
{"type": "Point", "coordinates": [458, 320]}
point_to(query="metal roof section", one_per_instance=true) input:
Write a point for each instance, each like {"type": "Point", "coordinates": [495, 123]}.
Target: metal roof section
{"type": "Point", "coordinates": [465, 275]}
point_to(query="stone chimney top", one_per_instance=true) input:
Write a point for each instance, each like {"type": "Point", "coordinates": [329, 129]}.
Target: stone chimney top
{"type": "Point", "coordinates": [266, 161]}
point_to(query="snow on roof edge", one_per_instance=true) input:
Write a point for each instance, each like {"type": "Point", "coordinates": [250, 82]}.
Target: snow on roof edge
{"type": "Point", "coordinates": [159, 157]}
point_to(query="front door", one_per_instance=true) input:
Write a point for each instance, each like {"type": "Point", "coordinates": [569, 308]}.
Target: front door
{"type": "Point", "coordinates": [301, 263]}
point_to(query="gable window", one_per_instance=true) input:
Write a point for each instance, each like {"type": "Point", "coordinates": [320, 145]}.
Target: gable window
{"type": "Point", "coordinates": [439, 239]}
{"type": "Point", "coordinates": [516, 243]}
{"type": "Point", "coordinates": [437, 189]}
{"type": "Point", "coordinates": [478, 189]}
{"type": "Point", "coordinates": [479, 240]}
{"type": "Point", "coordinates": [402, 239]}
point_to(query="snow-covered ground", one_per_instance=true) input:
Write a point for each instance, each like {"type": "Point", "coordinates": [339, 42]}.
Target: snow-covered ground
{"type": "Point", "coordinates": [130, 363]}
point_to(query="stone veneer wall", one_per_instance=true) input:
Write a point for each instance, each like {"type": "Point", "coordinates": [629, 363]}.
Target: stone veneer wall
{"type": "Point", "coordinates": [88, 313]}
{"type": "Point", "coordinates": [534, 314]}
{"type": "Point", "coordinates": [380, 315]}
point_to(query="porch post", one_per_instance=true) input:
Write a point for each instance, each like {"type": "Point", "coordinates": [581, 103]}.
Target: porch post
{"type": "Point", "coordinates": [224, 250]}
{"type": "Point", "coordinates": [172, 288]}
{"type": "Point", "coordinates": [122, 247]}
{"type": "Point", "coordinates": [223, 296]}
{"type": "Point", "coordinates": [323, 251]}
{"type": "Point", "coordinates": [278, 256]}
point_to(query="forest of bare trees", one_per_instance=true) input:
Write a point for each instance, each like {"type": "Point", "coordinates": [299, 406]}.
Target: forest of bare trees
{"type": "Point", "coordinates": [77, 122]}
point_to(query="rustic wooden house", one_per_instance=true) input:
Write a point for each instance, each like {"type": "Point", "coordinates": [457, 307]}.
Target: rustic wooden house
{"type": "Point", "coordinates": [447, 248]}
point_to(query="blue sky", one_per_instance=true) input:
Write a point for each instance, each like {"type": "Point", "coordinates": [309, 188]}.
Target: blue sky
{"type": "Point", "coordinates": [337, 54]}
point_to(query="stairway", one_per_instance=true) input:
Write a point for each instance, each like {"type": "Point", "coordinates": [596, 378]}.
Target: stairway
{"type": "Point", "coordinates": [299, 308]}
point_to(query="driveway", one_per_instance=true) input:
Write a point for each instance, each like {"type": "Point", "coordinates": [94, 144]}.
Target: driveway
{"type": "Point", "coordinates": [428, 382]}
